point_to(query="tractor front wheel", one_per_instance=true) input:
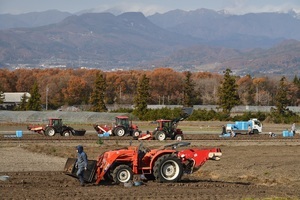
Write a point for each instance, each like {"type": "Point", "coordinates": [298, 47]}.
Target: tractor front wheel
{"type": "Point", "coordinates": [66, 133]}
{"type": "Point", "coordinates": [119, 131]}
{"type": "Point", "coordinates": [168, 168]}
{"type": "Point", "coordinates": [136, 134]}
{"type": "Point", "coordinates": [122, 174]}
{"type": "Point", "coordinates": [160, 135]}
{"type": "Point", "coordinates": [50, 131]}
{"type": "Point", "coordinates": [178, 137]}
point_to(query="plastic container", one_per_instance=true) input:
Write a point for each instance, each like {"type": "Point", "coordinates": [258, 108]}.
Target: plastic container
{"type": "Point", "coordinates": [138, 183]}
{"type": "Point", "coordinates": [19, 133]}
{"type": "Point", "coordinates": [106, 134]}
{"type": "Point", "coordinates": [287, 134]}
{"type": "Point", "coordinates": [225, 135]}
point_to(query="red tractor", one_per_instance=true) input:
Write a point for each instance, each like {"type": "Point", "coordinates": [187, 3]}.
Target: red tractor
{"type": "Point", "coordinates": [54, 126]}
{"type": "Point", "coordinates": [167, 128]}
{"type": "Point", "coordinates": [167, 164]}
{"type": "Point", "coordinates": [121, 127]}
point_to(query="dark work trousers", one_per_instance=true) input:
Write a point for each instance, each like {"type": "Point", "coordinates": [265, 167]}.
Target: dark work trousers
{"type": "Point", "coordinates": [80, 173]}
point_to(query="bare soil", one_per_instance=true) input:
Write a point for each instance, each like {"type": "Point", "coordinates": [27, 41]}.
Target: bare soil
{"type": "Point", "coordinates": [252, 167]}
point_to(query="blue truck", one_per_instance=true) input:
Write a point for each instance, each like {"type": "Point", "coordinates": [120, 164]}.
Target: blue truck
{"type": "Point", "coordinates": [252, 126]}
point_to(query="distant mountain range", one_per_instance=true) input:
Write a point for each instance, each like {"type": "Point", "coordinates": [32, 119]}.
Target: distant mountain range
{"type": "Point", "coordinates": [33, 19]}
{"type": "Point", "coordinates": [234, 31]}
{"type": "Point", "coordinates": [200, 40]}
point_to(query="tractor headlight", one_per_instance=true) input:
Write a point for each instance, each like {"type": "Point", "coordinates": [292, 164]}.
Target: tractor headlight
{"type": "Point", "coordinates": [183, 158]}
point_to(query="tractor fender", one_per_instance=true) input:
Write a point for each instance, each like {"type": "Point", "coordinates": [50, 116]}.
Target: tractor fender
{"type": "Point", "coordinates": [134, 127]}
{"type": "Point", "coordinates": [158, 155]}
{"type": "Point", "coordinates": [179, 131]}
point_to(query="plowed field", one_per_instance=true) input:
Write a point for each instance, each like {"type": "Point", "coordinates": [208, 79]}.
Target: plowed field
{"type": "Point", "coordinates": [252, 167]}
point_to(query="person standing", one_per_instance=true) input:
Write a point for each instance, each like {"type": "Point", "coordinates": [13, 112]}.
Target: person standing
{"type": "Point", "coordinates": [249, 130]}
{"type": "Point", "coordinates": [293, 129]}
{"type": "Point", "coordinates": [232, 132]}
{"type": "Point", "coordinates": [81, 163]}
{"type": "Point", "coordinates": [223, 130]}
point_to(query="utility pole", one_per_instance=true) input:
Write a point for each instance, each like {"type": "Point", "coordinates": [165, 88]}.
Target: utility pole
{"type": "Point", "coordinates": [257, 97]}
{"type": "Point", "coordinates": [47, 90]}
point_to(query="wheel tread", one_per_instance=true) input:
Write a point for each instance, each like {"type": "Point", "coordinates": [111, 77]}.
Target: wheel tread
{"type": "Point", "coordinates": [157, 166]}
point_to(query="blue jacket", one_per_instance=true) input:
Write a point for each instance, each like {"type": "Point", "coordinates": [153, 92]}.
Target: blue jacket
{"type": "Point", "coordinates": [82, 161]}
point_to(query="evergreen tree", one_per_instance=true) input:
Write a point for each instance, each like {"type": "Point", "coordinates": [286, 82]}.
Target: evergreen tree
{"type": "Point", "coordinates": [189, 97]}
{"type": "Point", "coordinates": [23, 103]}
{"type": "Point", "coordinates": [296, 81]}
{"type": "Point", "coordinates": [98, 94]}
{"type": "Point", "coordinates": [281, 100]}
{"type": "Point", "coordinates": [228, 93]}
{"type": "Point", "coordinates": [34, 102]}
{"type": "Point", "coordinates": [142, 96]}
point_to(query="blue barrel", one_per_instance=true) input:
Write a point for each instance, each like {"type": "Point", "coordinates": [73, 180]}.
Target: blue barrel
{"type": "Point", "coordinates": [106, 134]}
{"type": "Point", "coordinates": [286, 133]}
{"type": "Point", "coordinates": [19, 133]}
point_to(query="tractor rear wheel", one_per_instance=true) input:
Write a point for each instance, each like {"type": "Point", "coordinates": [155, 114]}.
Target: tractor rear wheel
{"type": "Point", "coordinates": [122, 174]}
{"type": "Point", "coordinates": [160, 135]}
{"type": "Point", "coordinates": [168, 168]}
{"type": "Point", "coordinates": [119, 131]}
{"type": "Point", "coordinates": [50, 131]}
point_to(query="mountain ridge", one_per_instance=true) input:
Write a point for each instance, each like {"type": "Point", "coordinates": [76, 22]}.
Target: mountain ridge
{"type": "Point", "coordinates": [131, 41]}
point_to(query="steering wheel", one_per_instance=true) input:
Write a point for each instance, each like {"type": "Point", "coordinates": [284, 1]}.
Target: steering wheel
{"type": "Point", "coordinates": [143, 149]}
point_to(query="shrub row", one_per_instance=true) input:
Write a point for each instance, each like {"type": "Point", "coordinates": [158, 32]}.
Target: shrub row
{"type": "Point", "coordinates": [211, 115]}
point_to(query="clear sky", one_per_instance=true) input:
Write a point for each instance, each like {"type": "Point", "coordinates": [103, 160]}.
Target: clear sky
{"type": "Point", "coordinates": [148, 7]}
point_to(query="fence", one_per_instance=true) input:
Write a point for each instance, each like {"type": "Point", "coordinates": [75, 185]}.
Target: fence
{"type": "Point", "coordinates": [103, 117]}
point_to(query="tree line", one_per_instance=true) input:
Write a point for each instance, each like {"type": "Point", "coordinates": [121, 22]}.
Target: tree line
{"type": "Point", "coordinates": [137, 87]}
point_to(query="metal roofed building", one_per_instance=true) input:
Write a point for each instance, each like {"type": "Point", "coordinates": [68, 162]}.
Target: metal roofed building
{"type": "Point", "coordinates": [12, 99]}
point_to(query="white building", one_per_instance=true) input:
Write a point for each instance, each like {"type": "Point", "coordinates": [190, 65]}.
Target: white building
{"type": "Point", "coordinates": [12, 99]}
